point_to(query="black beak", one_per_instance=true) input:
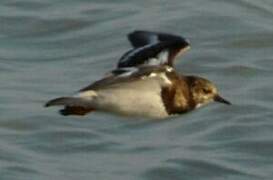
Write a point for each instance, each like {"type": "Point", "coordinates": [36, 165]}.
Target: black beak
{"type": "Point", "coordinates": [218, 98]}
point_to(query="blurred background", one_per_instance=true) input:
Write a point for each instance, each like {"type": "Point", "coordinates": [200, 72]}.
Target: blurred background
{"type": "Point", "coordinates": [50, 48]}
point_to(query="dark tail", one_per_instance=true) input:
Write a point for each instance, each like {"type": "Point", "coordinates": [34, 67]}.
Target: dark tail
{"type": "Point", "coordinates": [72, 105]}
{"type": "Point", "coordinates": [75, 110]}
{"type": "Point", "coordinates": [66, 101]}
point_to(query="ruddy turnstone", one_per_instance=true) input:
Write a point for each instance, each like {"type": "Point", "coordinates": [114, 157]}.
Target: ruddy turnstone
{"type": "Point", "coordinates": [144, 83]}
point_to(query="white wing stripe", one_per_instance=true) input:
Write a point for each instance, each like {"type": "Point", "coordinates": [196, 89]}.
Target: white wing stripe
{"type": "Point", "coordinates": [135, 51]}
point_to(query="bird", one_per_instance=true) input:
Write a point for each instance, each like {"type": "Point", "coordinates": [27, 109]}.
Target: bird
{"type": "Point", "coordinates": [144, 83]}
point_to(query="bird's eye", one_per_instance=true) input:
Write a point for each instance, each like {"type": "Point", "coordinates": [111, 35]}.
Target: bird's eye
{"type": "Point", "coordinates": [206, 91]}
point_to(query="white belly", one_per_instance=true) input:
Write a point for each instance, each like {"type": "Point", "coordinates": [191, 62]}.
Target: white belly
{"type": "Point", "coordinates": [141, 98]}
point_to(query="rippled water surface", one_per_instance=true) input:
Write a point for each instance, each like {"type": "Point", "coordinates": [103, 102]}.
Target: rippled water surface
{"type": "Point", "coordinates": [53, 47]}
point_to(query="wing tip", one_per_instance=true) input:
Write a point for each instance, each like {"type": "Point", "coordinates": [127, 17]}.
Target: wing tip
{"type": "Point", "coordinates": [160, 35]}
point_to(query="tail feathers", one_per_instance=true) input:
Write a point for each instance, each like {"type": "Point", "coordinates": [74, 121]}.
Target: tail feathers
{"type": "Point", "coordinates": [66, 101]}
{"type": "Point", "coordinates": [72, 105]}
{"type": "Point", "coordinates": [75, 110]}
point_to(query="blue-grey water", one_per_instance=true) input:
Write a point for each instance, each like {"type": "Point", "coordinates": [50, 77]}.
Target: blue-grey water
{"type": "Point", "coordinates": [50, 48]}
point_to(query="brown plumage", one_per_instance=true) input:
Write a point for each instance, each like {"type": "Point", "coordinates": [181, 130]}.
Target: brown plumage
{"type": "Point", "coordinates": [177, 97]}
{"type": "Point", "coordinates": [144, 87]}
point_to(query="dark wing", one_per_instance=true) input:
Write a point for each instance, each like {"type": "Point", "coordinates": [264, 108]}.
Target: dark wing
{"type": "Point", "coordinates": [124, 75]}
{"type": "Point", "coordinates": [141, 38]}
{"type": "Point", "coordinates": [153, 48]}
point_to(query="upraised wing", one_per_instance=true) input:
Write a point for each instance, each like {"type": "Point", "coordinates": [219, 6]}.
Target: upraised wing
{"type": "Point", "coordinates": [142, 38]}
{"type": "Point", "coordinates": [152, 48]}
{"type": "Point", "coordinates": [124, 75]}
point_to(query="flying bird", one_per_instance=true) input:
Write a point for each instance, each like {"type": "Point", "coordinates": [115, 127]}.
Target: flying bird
{"type": "Point", "coordinates": [144, 83]}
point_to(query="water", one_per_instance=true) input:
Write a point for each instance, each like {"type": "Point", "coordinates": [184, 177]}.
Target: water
{"type": "Point", "coordinates": [52, 48]}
